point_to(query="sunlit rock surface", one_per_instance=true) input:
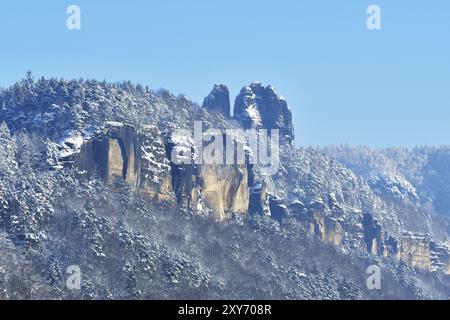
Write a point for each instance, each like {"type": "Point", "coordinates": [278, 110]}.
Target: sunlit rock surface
{"type": "Point", "coordinates": [86, 176]}
{"type": "Point", "coordinates": [220, 188]}
{"type": "Point", "coordinates": [139, 159]}
{"type": "Point", "coordinates": [415, 251]}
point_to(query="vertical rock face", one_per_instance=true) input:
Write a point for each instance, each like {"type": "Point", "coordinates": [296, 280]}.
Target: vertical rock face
{"type": "Point", "coordinates": [122, 145]}
{"type": "Point", "coordinates": [416, 251]}
{"type": "Point", "coordinates": [278, 210]}
{"type": "Point", "coordinates": [117, 161]}
{"type": "Point", "coordinates": [112, 154]}
{"type": "Point", "coordinates": [329, 230]}
{"type": "Point", "coordinates": [220, 188]}
{"type": "Point", "coordinates": [257, 107]}
{"type": "Point", "coordinates": [218, 99]}
{"type": "Point", "coordinates": [377, 241]}
{"type": "Point", "coordinates": [259, 199]}
{"type": "Point", "coordinates": [120, 153]}
{"type": "Point", "coordinates": [373, 235]}
{"type": "Point", "coordinates": [141, 159]}
{"type": "Point", "coordinates": [225, 188]}
{"type": "Point", "coordinates": [412, 249]}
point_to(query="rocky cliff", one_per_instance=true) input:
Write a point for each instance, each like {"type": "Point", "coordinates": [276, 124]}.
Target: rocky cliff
{"type": "Point", "coordinates": [440, 257]}
{"type": "Point", "coordinates": [87, 174]}
{"type": "Point", "coordinates": [121, 153]}
{"type": "Point", "coordinates": [218, 100]}
{"type": "Point", "coordinates": [258, 107]}
{"type": "Point", "coordinates": [141, 158]}
{"type": "Point", "coordinates": [415, 251]}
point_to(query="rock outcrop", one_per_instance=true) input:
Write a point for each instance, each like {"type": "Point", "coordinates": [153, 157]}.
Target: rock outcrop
{"type": "Point", "coordinates": [225, 188]}
{"type": "Point", "coordinates": [415, 251]}
{"type": "Point", "coordinates": [440, 257]}
{"type": "Point", "coordinates": [261, 107]}
{"type": "Point", "coordinates": [328, 229]}
{"type": "Point", "coordinates": [363, 213]}
{"type": "Point", "coordinates": [376, 240]}
{"type": "Point", "coordinates": [141, 158]}
{"type": "Point", "coordinates": [220, 188]}
{"type": "Point", "coordinates": [259, 199]}
{"type": "Point", "coordinates": [412, 249]}
{"type": "Point", "coordinates": [120, 153]}
{"type": "Point", "coordinates": [278, 210]}
{"type": "Point", "coordinates": [218, 100]}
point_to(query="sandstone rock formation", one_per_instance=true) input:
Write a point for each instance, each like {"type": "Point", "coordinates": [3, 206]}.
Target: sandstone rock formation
{"type": "Point", "coordinates": [328, 229]}
{"type": "Point", "coordinates": [220, 188]}
{"type": "Point", "coordinates": [103, 130]}
{"type": "Point", "coordinates": [141, 158]}
{"type": "Point", "coordinates": [377, 241]}
{"type": "Point", "coordinates": [218, 99]}
{"type": "Point", "coordinates": [121, 153]}
{"type": "Point", "coordinates": [225, 188]}
{"type": "Point", "coordinates": [416, 251]}
{"type": "Point", "coordinates": [258, 107]}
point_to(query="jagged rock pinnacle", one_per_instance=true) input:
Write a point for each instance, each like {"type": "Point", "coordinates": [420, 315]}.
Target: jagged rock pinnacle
{"type": "Point", "coordinates": [257, 106]}
{"type": "Point", "coordinates": [218, 99]}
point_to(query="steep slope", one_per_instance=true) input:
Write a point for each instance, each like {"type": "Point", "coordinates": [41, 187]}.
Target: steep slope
{"type": "Point", "coordinates": [87, 179]}
{"type": "Point", "coordinates": [417, 179]}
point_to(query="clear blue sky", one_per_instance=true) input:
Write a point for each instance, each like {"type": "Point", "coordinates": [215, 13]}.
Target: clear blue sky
{"type": "Point", "coordinates": [345, 84]}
